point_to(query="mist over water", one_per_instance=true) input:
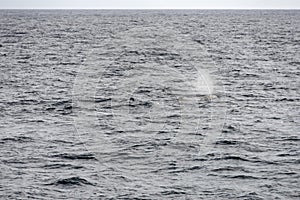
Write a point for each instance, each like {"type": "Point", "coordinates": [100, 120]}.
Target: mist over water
{"type": "Point", "coordinates": [149, 104]}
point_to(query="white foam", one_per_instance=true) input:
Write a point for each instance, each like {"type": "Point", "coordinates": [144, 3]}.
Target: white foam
{"type": "Point", "coordinates": [204, 83]}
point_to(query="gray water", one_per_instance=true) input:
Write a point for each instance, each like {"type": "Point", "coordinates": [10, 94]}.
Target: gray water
{"type": "Point", "coordinates": [149, 104]}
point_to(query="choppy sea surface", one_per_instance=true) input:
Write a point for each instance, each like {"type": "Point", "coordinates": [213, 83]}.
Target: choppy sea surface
{"type": "Point", "coordinates": [156, 104]}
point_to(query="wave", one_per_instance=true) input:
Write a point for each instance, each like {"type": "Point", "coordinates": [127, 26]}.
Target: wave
{"type": "Point", "coordinates": [87, 156]}
{"type": "Point", "coordinates": [72, 181]}
{"type": "Point", "coordinates": [20, 139]}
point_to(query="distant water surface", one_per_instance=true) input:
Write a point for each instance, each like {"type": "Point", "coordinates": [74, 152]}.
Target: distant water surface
{"type": "Point", "coordinates": [135, 104]}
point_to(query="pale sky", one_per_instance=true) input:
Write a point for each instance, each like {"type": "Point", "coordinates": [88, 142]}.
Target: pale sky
{"type": "Point", "coordinates": [150, 4]}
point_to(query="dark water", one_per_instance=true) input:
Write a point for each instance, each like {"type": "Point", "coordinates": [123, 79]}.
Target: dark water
{"type": "Point", "coordinates": [149, 104]}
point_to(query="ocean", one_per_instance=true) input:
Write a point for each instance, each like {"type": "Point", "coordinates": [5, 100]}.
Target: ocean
{"type": "Point", "coordinates": [149, 104]}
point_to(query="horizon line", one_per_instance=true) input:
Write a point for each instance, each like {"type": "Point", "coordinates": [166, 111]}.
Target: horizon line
{"type": "Point", "coordinates": [149, 8]}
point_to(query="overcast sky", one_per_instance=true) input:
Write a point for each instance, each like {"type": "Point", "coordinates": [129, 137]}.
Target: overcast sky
{"type": "Point", "coordinates": [150, 4]}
